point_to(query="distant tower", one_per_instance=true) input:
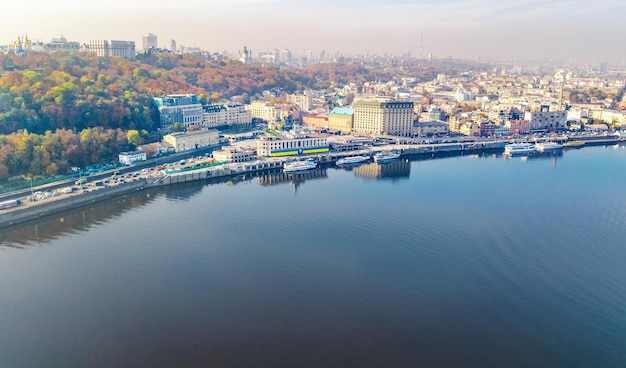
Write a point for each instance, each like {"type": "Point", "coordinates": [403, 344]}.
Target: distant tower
{"type": "Point", "coordinates": [421, 46]}
{"type": "Point", "coordinates": [149, 41]}
{"type": "Point", "coordinates": [173, 45]}
{"type": "Point", "coordinates": [245, 57]}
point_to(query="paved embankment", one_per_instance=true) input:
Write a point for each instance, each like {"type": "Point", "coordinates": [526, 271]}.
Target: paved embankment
{"type": "Point", "coordinates": [33, 211]}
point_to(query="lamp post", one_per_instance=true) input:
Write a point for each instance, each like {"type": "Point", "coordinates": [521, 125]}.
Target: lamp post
{"type": "Point", "coordinates": [32, 195]}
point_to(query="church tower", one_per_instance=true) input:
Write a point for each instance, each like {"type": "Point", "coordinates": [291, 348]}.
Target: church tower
{"type": "Point", "coordinates": [245, 56]}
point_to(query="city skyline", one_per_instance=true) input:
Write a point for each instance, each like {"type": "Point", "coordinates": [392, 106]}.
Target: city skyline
{"type": "Point", "coordinates": [490, 29]}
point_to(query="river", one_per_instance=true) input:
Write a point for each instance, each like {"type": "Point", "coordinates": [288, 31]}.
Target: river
{"type": "Point", "coordinates": [475, 260]}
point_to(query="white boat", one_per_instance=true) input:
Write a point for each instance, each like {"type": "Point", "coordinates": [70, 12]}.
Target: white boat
{"type": "Point", "coordinates": [514, 149]}
{"type": "Point", "coordinates": [352, 160]}
{"type": "Point", "coordinates": [296, 166]}
{"type": "Point", "coordinates": [548, 146]}
{"type": "Point", "coordinates": [386, 156]}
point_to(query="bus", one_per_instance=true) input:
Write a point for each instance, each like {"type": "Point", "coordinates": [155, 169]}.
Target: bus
{"type": "Point", "coordinates": [10, 203]}
{"type": "Point", "coordinates": [80, 181]}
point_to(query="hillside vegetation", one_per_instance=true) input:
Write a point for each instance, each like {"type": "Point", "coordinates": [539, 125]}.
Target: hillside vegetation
{"type": "Point", "coordinates": [62, 110]}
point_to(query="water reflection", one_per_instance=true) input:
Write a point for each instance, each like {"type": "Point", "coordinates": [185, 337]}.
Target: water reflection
{"type": "Point", "coordinates": [277, 177]}
{"type": "Point", "coordinates": [84, 218]}
{"type": "Point", "coordinates": [396, 170]}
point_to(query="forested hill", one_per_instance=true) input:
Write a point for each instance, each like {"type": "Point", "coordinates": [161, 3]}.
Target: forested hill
{"type": "Point", "coordinates": [45, 92]}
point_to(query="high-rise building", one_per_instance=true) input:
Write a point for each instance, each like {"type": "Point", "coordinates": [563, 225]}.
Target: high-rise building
{"type": "Point", "coordinates": [149, 41]}
{"type": "Point", "coordinates": [384, 118]}
{"type": "Point", "coordinates": [173, 45]}
{"type": "Point", "coordinates": [285, 56]}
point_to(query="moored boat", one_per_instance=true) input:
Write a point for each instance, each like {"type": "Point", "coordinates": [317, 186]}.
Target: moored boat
{"type": "Point", "coordinates": [548, 146]}
{"type": "Point", "coordinates": [296, 166]}
{"type": "Point", "coordinates": [514, 149]}
{"type": "Point", "coordinates": [386, 156]}
{"type": "Point", "coordinates": [352, 160]}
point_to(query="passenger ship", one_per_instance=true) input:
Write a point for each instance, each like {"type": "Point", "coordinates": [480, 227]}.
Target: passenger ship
{"type": "Point", "coordinates": [296, 166]}
{"type": "Point", "coordinates": [514, 149]}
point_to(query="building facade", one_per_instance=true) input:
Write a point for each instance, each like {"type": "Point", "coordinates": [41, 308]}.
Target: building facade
{"type": "Point", "coordinates": [384, 118]}
{"type": "Point", "coordinates": [220, 115]}
{"type": "Point", "coordinates": [234, 154]}
{"type": "Point", "coordinates": [181, 108]}
{"type": "Point", "coordinates": [341, 118]}
{"type": "Point", "coordinates": [304, 101]}
{"type": "Point", "coordinates": [427, 128]}
{"type": "Point", "coordinates": [183, 141]}
{"type": "Point", "coordinates": [318, 121]}
{"type": "Point", "coordinates": [276, 146]}
{"type": "Point", "coordinates": [112, 48]}
{"type": "Point", "coordinates": [263, 111]}
{"type": "Point", "coordinates": [546, 120]}
{"type": "Point", "coordinates": [517, 127]}
{"type": "Point", "coordinates": [129, 158]}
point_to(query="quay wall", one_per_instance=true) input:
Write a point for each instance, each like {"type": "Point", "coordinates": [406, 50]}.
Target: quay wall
{"type": "Point", "coordinates": [59, 204]}
{"type": "Point", "coordinates": [216, 172]}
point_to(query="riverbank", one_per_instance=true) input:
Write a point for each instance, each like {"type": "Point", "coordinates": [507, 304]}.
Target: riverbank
{"type": "Point", "coordinates": [34, 210]}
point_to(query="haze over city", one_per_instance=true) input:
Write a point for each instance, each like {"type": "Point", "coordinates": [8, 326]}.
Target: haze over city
{"type": "Point", "coordinates": [489, 29]}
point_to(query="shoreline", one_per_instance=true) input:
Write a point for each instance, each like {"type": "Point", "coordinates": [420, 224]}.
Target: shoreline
{"type": "Point", "coordinates": [34, 211]}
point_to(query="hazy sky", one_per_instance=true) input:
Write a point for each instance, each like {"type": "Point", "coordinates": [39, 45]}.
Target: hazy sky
{"type": "Point", "coordinates": [522, 29]}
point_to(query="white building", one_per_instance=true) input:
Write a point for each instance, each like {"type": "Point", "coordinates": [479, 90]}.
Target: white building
{"type": "Point", "coordinates": [181, 108]}
{"type": "Point", "coordinates": [234, 154]}
{"type": "Point", "coordinates": [291, 145]}
{"type": "Point", "coordinates": [128, 158]}
{"type": "Point", "coordinates": [304, 101]}
{"type": "Point", "coordinates": [384, 118]}
{"type": "Point", "coordinates": [183, 141]}
{"type": "Point", "coordinates": [112, 48]}
{"type": "Point", "coordinates": [261, 110]}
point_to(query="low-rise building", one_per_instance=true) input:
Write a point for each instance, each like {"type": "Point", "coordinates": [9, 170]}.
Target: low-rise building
{"type": "Point", "coordinates": [291, 145]}
{"type": "Point", "coordinates": [424, 128]}
{"type": "Point", "coordinates": [319, 121]}
{"type": "Point", "coordinates": [517, 127]}
{"type": "Point", "coordinates": [234, 154]}
{"type": "Point", "coordinates": [183, 141]}
{"type": "Point", "coordinates": [129, 158]}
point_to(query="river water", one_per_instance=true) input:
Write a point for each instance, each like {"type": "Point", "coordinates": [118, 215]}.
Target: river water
{"type": "Point", "coordinates": [476, 260]}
